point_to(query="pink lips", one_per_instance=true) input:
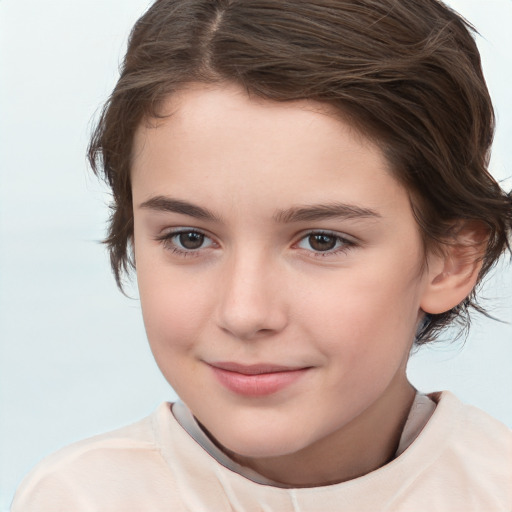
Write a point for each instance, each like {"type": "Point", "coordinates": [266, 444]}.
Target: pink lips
{"type": "Point", "coordinates": [256, 380]}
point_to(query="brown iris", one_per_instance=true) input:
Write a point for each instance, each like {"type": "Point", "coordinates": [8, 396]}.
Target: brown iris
{"type": "Point", "coordinates": [191, 240]}
{"type": "Point", "coordinates": [321, 242]}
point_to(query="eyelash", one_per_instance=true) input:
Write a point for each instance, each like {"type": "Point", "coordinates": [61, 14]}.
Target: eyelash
{"type": "Point", "coordinates": [168, 243]}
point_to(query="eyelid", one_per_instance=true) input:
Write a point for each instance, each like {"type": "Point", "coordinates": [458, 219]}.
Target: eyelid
{"type": "Point", "coordinates": [169, 231]}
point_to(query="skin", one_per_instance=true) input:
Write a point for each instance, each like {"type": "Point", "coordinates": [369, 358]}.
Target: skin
{"type": "Point", "coordinates": [256, 290]}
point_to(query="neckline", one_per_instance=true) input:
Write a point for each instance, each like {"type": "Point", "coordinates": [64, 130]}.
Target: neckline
{"type": "Point", "coordinates": [204, 484]}
{"type": "Point", "coordinates": [420, 414]}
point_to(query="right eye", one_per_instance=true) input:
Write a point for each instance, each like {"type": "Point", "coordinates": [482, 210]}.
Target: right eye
{"type": "Point", "coordinates": [190, 240]}
{"type": "Point", "coordinates": [185, 241]}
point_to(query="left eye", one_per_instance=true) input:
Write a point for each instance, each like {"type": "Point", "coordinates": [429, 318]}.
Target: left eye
{"type": "Point", "coordinates": [323, 242]}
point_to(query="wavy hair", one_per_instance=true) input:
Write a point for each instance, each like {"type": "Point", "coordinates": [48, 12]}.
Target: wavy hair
{"type": "Point", "coordinates": [405, 73]}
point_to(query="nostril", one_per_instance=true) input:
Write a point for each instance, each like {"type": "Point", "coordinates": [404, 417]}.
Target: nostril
{"type": "Point", "coordinates": [247, 323]}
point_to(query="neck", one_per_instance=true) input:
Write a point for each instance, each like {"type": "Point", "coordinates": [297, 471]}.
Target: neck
{"type": "Point", "coordinates": [365, 444]}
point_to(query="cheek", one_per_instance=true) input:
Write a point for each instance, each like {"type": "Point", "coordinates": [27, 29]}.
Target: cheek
{"type": "Point", "coordinates": [364, 316]}
{"type": "Point", "coordinates": [174, 307]}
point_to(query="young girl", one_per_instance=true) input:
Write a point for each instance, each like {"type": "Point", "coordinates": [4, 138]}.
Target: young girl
{"type": "Point", "coordinates": [302, 189]}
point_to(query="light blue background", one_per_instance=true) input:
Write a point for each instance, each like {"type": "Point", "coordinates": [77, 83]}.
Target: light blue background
{"type": "Point", "coordinates": [74, 359]}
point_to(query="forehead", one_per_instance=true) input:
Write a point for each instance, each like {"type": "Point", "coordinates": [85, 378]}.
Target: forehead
{"type": "Point", "coordinates": [213, 139]}
{"type": "Point", "coordinates": [227, 108]}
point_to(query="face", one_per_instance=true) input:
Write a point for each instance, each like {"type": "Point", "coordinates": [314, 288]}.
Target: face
{"type": "Point", "coordinates": [279, 267]}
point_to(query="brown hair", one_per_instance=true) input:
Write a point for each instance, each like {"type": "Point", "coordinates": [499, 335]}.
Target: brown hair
{"type": "Point", "coordinates": [405, 73]}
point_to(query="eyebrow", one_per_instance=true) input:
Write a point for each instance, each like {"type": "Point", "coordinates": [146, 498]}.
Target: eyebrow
{"type": "Point", "coordinates": [289, 215]}
{"type": "Point", "coordinates": [324, 211]}
{"type": "Point", "coordinates": [168, 204]}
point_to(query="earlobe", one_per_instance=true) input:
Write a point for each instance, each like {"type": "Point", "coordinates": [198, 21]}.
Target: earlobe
{"type": "Point", "coordinates": [453, 274]}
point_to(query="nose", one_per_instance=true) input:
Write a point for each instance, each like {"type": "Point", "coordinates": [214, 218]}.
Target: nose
{"type": "Point", "coordinates": [251, 300]}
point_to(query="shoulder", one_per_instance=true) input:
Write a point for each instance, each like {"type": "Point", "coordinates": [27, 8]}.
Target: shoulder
{"type": "Point", "coordinates": [112, 468]}
{"type": "Point", "coordinates": [473, 430]}
{"type": "Point", "coordinates": [472, 455]}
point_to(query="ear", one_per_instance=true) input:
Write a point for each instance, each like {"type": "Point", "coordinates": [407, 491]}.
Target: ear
{"type": "Point", "coordinates": [453, 273]}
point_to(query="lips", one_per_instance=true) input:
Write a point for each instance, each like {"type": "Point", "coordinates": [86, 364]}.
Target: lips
{"type": "Point", "coordinates": [253, 369]}
{"type": "Point", "coordinates": [258, 379]}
